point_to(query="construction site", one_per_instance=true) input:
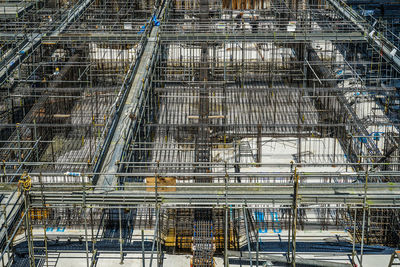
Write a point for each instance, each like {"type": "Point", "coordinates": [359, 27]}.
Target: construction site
{"type": "Point", "coordinates": [199, 133]}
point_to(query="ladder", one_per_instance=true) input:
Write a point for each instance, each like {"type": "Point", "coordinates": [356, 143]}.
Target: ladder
{"type": "Point", "coordinates": [395, 255]}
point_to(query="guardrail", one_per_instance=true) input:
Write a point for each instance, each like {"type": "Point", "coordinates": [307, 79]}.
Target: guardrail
{"type": "Point", "coordinates": [112, 123]}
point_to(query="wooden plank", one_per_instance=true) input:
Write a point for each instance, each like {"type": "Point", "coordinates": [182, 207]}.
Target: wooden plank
{"type": "Point", "coordinates": [162, 182]}
{"type": "Point", "coordinates": [170, 240]}
{"type": "Point", "coordinates": [62, 115]}
{"type": "Point", "coordinates": [234, 4]}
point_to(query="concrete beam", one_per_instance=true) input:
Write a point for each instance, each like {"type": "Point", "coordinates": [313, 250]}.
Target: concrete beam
{"type": "Point", "coordinates": [130, 107]}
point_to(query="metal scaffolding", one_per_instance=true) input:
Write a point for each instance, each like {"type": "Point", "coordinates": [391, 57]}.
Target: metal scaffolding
{"type": "Point", "coordinates": [157, 127]}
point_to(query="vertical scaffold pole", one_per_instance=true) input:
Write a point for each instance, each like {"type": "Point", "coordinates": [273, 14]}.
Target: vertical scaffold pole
{"type": "Point", "coordinates": [85, 220]}
{"type": "Point", "coordinates": [121, 252]}
{"type": "Point", "coordinates": [295, 204]}
{"type": "Point", "coordinates": [44, 214]}
{"type": "Point", "coordinates": [143, 255]}
{"type": "Point", "coordinates": [353, 254]}
{"type": "Point", "coordinates": [247, 235]}
{"type": "Point", "coordinates": [226, 263]}
{"type": "Point", "coordinates": [364, 211]}
{"type": "Point", "coordinates": [29, 231]}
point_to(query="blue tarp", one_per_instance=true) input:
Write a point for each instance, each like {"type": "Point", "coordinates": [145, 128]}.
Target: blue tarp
{"type": "Point", "coordinates": [142, 29]}
{"type": "Point", "coordinates": [367, 12]}
{"type": "Point", "coordinates": [156, 22]}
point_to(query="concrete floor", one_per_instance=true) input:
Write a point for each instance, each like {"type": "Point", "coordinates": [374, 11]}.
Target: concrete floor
{"type": "Point", "coordinates": [112, 260]}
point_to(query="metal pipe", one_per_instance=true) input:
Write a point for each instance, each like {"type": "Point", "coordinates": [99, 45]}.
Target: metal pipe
{"type": "Point", "coordinates": [143, 254]}
{"type": "Point", "coordinates": [226, 259]}
{"type": "Point", "coordinates": [154, 239]}
{"type": "Point", "coordinates": [121, 252]}
{"type": "Point", "coordinates": [363, 221]}
{"type": "Point", "coordinates": [257, 246]}
{"type": "Point", "coordinates": [247, 234]}
{"type": "Point", "coordinates": [6, 231]}
{"type": "Point", "coordinates": [28, 232]}
{"type": "Point", "coordinates": [354, 238]}
{"type": "Point", "coordinates": [85, 224]}
{"type": "Point", "coordinates": [295, 204]}
{"type": "Point", "coordinates": [44, 213]}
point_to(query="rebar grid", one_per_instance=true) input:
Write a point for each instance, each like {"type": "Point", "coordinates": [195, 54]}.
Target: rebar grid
{"type": "Point", "coordinates": [260, 122]}
{"type": "Point", "coordinates": [66, 95]}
